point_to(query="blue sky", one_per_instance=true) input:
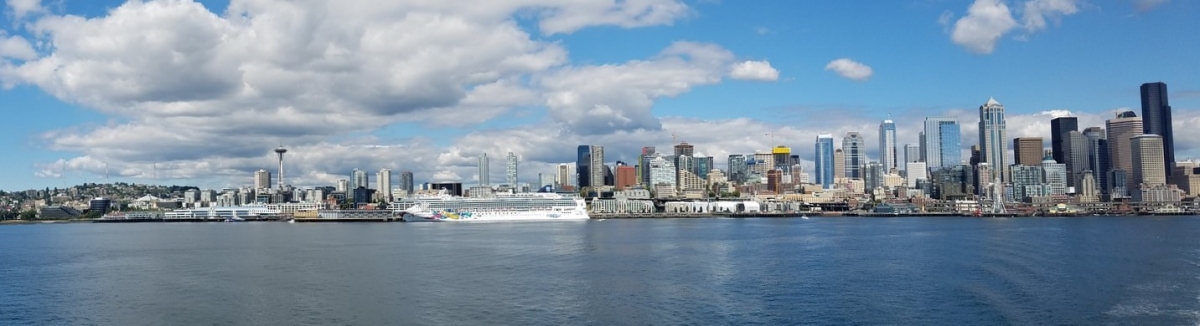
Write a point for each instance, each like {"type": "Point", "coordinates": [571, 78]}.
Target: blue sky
{"type": "Point", "coordinates": [205, 94]}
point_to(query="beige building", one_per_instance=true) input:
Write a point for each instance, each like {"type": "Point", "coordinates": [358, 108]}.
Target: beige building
{"type": "Point", "coordinates": [839, 164]}
{"type": "Point", "coordinates": [1147, 153]}
{"type": "Point", "coordinates": [1186, 179]}
{"type": "Point", "coordinates": [1120, 130]}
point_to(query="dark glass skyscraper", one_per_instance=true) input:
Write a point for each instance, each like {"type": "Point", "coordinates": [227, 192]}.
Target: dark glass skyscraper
{"type": "Point", "coordinates": [582, 164]}
{"type": "Point", "coordinates": [1059, 127]}
{"type": "Point", "coordinates": [1156, 119]}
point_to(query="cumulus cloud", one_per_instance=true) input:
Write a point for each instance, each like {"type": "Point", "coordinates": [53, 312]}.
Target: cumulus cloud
{"type": "Point", "coordinates": [987, 21]}
{"type": "Point", "coordinates": [20, 8]}
{"type": "Point", "coordinates": [1038, 11]}
{"type": "Point", "coordinates": [16, 47]}
{"type": "Point", "coordinates": [850, 69]}
{"type": "Point", "coordinates": [195, 94]}
{"type": "Point", "coordinates": [754, 70]}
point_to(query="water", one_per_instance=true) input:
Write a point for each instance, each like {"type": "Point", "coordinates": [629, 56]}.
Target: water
{"type": "Point", "coordinates": [903, 271]}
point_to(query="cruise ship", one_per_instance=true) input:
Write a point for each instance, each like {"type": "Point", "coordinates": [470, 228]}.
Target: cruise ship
{"type": "Point", "coordinates": [503, 207]}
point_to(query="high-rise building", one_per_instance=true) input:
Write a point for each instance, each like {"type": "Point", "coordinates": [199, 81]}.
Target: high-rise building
{"type": "Point", "coordinates": [1028, 182]}
{"type": "Point", "coordinates": [358, 179]}
{"type": "Point", "coordinates": [1156, 119]}
{"type": "Point", "coordinates": [915, 171]}
{"type": "Point", "coordinates": [262, 179]}
{"type": "Point", "coordinates": [564, 176]}
{"type": "Point", "coordinates": [1147, 161]}
{"type": "Point", "coordinates": [1056, 175]}
{"type": "Point", "coordinates": [662, 172]}
{"type": "Point", "coordinates": [854, 147]}
{"type": "Point", "coordinates": [1059, 127]}
{"type": "Point", "coordinates": [406, 181]}
{"type": "Point", "coordinates": [626, 176]}
{"type": "Point", "coordinates": [597, 170]}
{"type": "Point", "coordinates": [1077, 151]}
{"type": "Point", "coordinates": [839, 163]}
{"type": "Point", "coordinates": [644, 166]}
{"type": "Point", "coordinates": [912, 153]}
{"type": "Point", "coordinates": [887, 145]}
{"type": "Point", "coordinates": [510, 169]}
{"type": "Point", "coordinates": [781, 155]}
{"type": "Point", "coordinates": [384, 181]}
{"type": "Point", "coordinates": [343, 186]}
{"type": "Point", "coordinates": [737, 168]}
{"type": "Point", "coordinates": [1120, 130]}
{"type": "Point", "coordinates": [583, 162]}
{"type": "Point", "coordinates": [1098, 157]}
{"type": "Point", "coordinates": [993, 136]}
{"type": "Point", "coordinates": [1028, 150]}
{"type": "Point", "coordinates": [484, 173]}
{"type": "Point", "coordinates": [942, 143]}
{"type": "Point", "coordinates": [823, 158]}
{"type": "Point", "coordinates": [872, 175]}
{"type": "Point", "coordinates": [683, 149]}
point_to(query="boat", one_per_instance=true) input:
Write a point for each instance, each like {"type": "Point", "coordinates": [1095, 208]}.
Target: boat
{"type": "Point", "coordinates": [502, 207]}
{"type": "Point", "coordinates": [804, 216]}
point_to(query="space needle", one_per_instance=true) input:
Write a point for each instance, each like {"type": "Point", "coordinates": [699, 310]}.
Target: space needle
{"type": "Point", "coordinates": [280, 150]}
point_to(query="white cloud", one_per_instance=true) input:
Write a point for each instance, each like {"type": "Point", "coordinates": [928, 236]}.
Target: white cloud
{"type": "Point", "coordinates": [20, 8]}
{"type": "Point", "coordinates": [850, 69]}
{"type": "Point", "coordinates": [986, 21]}
{"type": "Point", "coordinates": [1038, 11]}
{"type": "Point", "coordinates": [754, 70]}
{"type": "Point", "coordinates": [16, 47]}
{"type": "Point", "coordinates": [204, 97]}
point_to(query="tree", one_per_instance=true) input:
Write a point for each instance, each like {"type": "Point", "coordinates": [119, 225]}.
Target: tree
{"type": "Point", "coordinates": [29, 215]}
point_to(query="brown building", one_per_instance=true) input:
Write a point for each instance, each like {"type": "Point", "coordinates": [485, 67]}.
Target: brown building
{"type": "Point", "coordinates": [626, 177]}
{"type": "Point", "coordinates": [775, 181]}
{"type": "Point", "coordinates": [1028, 150]}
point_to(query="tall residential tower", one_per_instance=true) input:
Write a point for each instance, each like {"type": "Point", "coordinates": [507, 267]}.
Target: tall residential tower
{"type": "Point", "coordinates": [993, 137]}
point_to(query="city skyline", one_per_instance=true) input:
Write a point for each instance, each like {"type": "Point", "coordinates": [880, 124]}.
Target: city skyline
{"type": "Point", "coordinates": [699, 71]}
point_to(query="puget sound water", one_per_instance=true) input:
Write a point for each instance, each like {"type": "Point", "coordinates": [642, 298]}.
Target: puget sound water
{"type": "Point", "coordinates": [825, 271]}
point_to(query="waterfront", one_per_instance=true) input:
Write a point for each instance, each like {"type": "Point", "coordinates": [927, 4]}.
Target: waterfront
{"type": "Point", "coordinates": [946, 270]}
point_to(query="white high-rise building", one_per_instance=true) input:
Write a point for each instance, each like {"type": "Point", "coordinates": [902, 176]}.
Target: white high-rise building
{"type": "Point", "coordinates": [484, 174]}
{"type": "Point", "coordinates": [343, 186]}
{"type": "Point", "coordinates": [510, 169]}
{"type": "Point", "coordinates": [358, 179]}
{"type": "Point", "coordinates": [662, 172]}
{"type": "Point", "coordinates": [262, 179]}
{"type": "Point", "coordinates": [1056, 176]}
{"type": "Point", "coordinates": [384, 180]}
{"type": "Point", "coordinates": [993, 136]}
{"type": "Point", "coordinates": [1147, 161]}
{"type": "Point", "coordinates": [887, 146]}
{"type": "Point", "coordinates": [914, 171]}
{"type": "Point", "coordinates": [941, 144]}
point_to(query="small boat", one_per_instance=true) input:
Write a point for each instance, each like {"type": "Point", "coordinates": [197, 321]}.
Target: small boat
{"type": "Point", "coordinates": [292, 221]}
{"type": "Point", "coordinates": [804, 216]}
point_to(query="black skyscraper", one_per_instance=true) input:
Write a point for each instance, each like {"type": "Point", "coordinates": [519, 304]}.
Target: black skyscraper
{"type": "Point", "coordinates": [583, 164]}
{"type": "Point", "coordinates": [1059, 127]}
{"type": "Point", "coordinates": [1156, 119]}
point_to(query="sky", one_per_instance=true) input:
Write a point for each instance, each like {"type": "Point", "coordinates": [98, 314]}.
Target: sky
{"type": "Point", "coordinates": [200, 92]}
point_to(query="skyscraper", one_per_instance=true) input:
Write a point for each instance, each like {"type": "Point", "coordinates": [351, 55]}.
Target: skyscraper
{"type": "Point", "coordinates": [1098, 157]}
{"type": "Point", "coordinates": [1077, 148]}
{"type": "Point", "coordinates": [583, 162]}
{"type": "Point", "coordinates": [683, 149]}
{"type": "Point", "coordinates": [942, 143]}
{"type": "Point", "coordinates": [510, 169]}
{"type": "Point", "coordinates": [564, 176]}
{"type": "Point", "coordinates": [887, 145]}
{"type": "Point", "coordinates": [359, 179]}
{"type": "Point", "coordinates": [737, 168]}
{"type": "Point", "coordinates": [384, 181]}
{"type": "Point", "coordinates": [912, 153]}
{"type": "Point", "coordinates": [1120, 130]}
{"type": "Point", "coordinates": [406, 181]}
{"type": "Point", "coordinates": [854, 147]}
{"type": "Point", "coordinates": [484, 174]}
{"type": "Point", "coordinates": [1059, 127]}
{"type": "Point", "coordinates": [823, 158]}
{"type": "Point", "coordinates": [597, 170]}
{"type": "Point", "coordinates": [1028, 150]}
{"type": "Point", "coordinates": [839, 163]}
{"type": "Point", "coordinates": [1156, 119]}
{"type": "Point", "coordinates": [992, 136]}
{"type": "Point", "coordinates": [1147, 161]}
{"type": "Point", "coordinates": [262, 179]}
